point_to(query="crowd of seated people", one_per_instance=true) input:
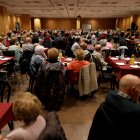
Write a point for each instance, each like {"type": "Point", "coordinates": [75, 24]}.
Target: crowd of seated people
{"type": "Point", "coordinates": [68, 41]}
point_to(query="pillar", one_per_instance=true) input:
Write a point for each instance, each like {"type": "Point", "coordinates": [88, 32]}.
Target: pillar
{"type": "Point", "coordinates": [78, 21]}
{"type": "Point", "coordinates": [4, 27]}
{"type": "Point", "coordinates": [37, 23]}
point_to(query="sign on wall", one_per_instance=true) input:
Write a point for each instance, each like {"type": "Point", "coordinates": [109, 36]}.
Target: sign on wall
{"type": "Point", "coordinates": [86, 27]}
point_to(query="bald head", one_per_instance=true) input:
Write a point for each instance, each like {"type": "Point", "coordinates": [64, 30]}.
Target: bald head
{"type": "Point", "coordinates": [130, 84]}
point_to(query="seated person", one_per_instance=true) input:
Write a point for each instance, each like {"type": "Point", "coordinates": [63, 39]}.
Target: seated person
{"type": "Point", "coordinates": [109, 44]}
{"type": "Point", "coordinates": [76, 45]}
{"type": "Point", "coordinates": [28, 45]}
{"type": "Point", "coordinates": [27, 108]}
{"type": "Point", "coordinates": [98, 55]}
{"type": "Point", "coordinates": [86, 52]}
{"type": "Point", "coordinates": [118, 116]}
{"type": "Point", "coordinates": [44, 88]}
{"type": "Point", "coordinates": [38, 58]}
{"type": "Point", "coordinates": [2, 44]}
{"type": "Point", "coordinates": [16, 48]}
{"type": "Point", "coordinates": [78, 62]}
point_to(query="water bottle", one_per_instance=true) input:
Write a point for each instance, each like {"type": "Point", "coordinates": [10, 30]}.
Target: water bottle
{"type": "Point", "coordinates": [132, 60]}
{"type": "Point", "coordinates": [122, 53]}
{"type": "Point", "coordinates": [60, 55]}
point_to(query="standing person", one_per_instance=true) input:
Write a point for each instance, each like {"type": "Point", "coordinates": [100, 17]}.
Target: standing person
{"type": "Point", "coordinates": [118, 117]}
{"type": "Point", "coordinates": [27, 108]}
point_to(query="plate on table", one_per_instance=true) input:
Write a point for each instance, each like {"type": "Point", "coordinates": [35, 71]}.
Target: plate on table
{"type": "Point", "coordinates": [68, 59]}
{"type": "Point", "coordinates": [127, 58]}
{"type": "Point", "coordinates": [120, 63]}
{"type": "Point", "coordinates": [114, 58]}
{"type": "Point", "coordinates": [6, 58]}
{"type": "Point", "coordinates": [134, 66]}
{"type": "Point", "coordinates": [136, 62]}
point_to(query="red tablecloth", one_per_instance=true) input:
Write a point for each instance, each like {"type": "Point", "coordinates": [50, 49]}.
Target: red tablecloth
{"type": "Point", "coordinates": [4, 61]}
{"type": "Point", "coordinates": [6, 114]}
{"type": "Point", "coordinates": [123, 69]}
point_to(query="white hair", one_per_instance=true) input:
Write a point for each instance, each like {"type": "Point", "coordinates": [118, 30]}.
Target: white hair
{"type": "Point", "coordinates": [39, 49]}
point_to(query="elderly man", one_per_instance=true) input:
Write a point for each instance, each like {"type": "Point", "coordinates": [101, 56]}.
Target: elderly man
{"type": "Point", "coordinates": [97, 54]}
{"type": "Point", "coordinates": [118, 117]}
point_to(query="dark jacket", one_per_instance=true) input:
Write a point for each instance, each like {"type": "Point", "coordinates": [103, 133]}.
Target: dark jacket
{"type": "Point", "coordinates": [117, 118]}
{"type": "Point", "coordinates": [50, 84]}
{"type": "Point", "coordinates": [53, 129]}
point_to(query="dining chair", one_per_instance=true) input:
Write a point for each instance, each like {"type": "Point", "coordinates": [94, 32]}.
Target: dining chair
{"type": "Point", "coordinates": [104, 76]}
{"type": "Point", "coordinates": [6, 116]}
{"type": "Point", "coordinates": [12, 67]}
{"type": "Point", "coordinates": [51, 88]}
{"type": "Point", "coordinates": [83, 82]}
{"type": "Point", "coordinates": [87, 82]}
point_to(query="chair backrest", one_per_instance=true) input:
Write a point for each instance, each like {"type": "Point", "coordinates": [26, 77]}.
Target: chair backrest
{"type": "Point", "coordinates": [105, 52]}
{"type": "Point", "coordinates": [25, 61]}
{"type": "Point", "coordinates": [5, 90]}
{"type": "Point", "coordinates": [97, 63]}
{"type": "Point", "coordinates": [9, 53]}
{"type": "Point", "coordinates": [126, 52]}
{"type": "Point", "coordinates": [55, 88]}
{"type": "Point", "coordinates": [53, 129]}
{"type": "Point", "coordinates": [114, 53]}
{"type": "Point", "coordinates": [99, 66]}
{"type": "Point", "coordinates": [87, 79]}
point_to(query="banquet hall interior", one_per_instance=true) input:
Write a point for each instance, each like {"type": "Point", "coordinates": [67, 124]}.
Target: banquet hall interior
{"type": "Point", "coordinates": [71, 16]}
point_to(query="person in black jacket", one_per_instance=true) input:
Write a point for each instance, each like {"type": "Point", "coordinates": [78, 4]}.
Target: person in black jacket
{"type": "Point", "coordinates": [118, 117]}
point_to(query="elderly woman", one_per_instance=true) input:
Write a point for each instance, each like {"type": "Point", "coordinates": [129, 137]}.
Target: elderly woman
{"type": "Point", "coordinates": [78, 62]}
{"type": "Point", "coordinates": [27, 108]}
{"type": "Point", "coordinates": [28, 44]}
{"type": "Point", "coordinates": [50, 80]}
{"type": "Point", "coordinates": [86, 52]}
{"type": "Point", "coordinates": [37, 59]}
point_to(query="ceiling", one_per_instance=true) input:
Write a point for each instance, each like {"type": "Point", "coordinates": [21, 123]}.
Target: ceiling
{"type": "Point", "coordinates": [73, 8]}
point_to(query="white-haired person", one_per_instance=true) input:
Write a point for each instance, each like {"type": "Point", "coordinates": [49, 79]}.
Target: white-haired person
{"type": "Point", "coordinates": [98, 55]}
{"type": "Point", "coordinates": [26, 109]}
{"type": "Point", "coordinates": [39, 55]}
{"type": "Point", "coordinates": [118, 117]}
